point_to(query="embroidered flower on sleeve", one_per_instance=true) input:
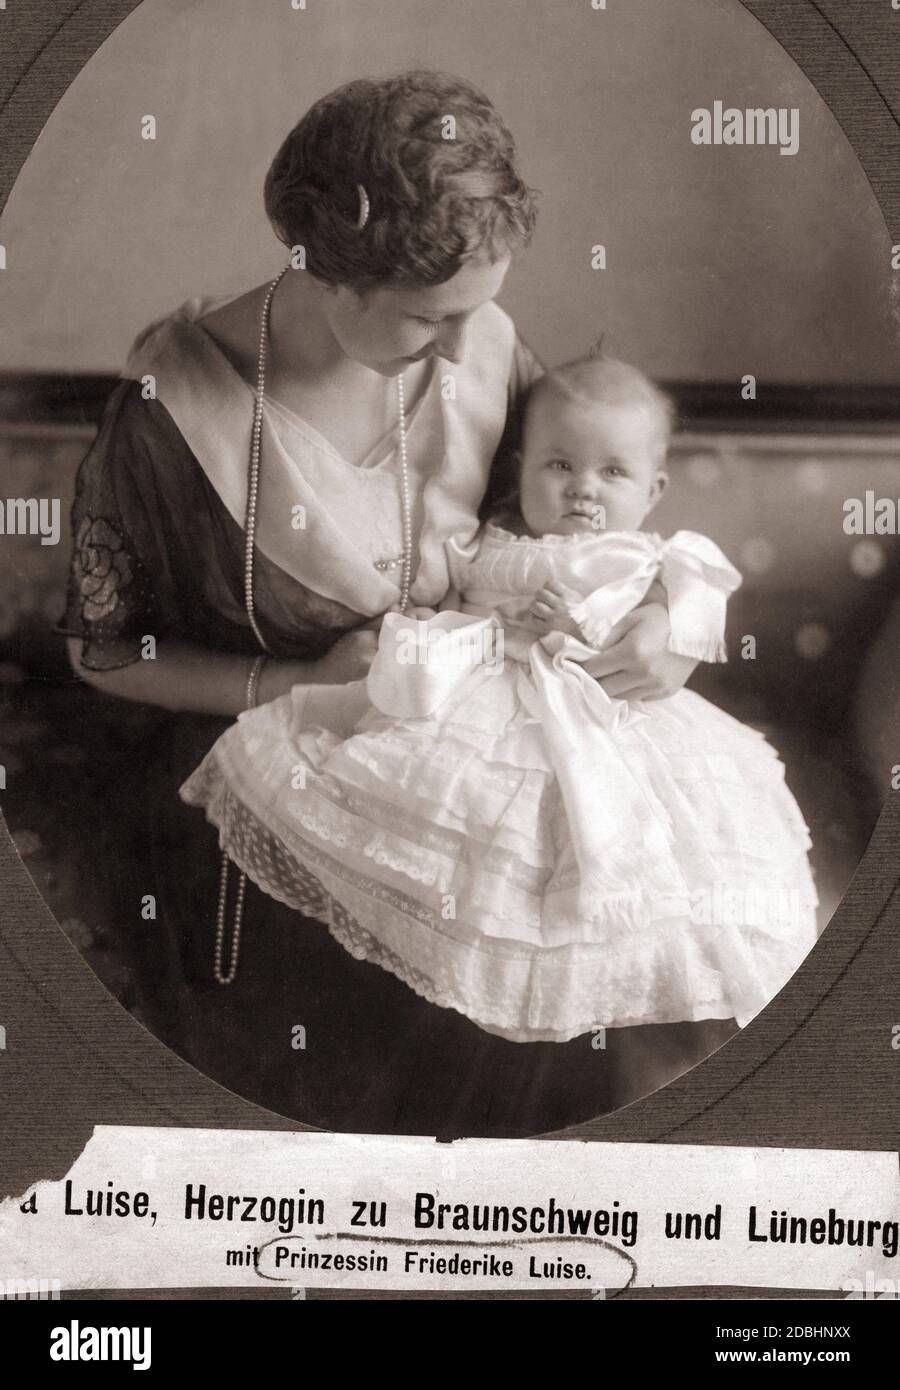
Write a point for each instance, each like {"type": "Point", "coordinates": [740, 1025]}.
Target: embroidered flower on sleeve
{"type": "Point", "coordinates": [105, 568]}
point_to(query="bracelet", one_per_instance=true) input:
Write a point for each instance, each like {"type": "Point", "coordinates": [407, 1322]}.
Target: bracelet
{"type": "Point", "coordinates": [253, 680]}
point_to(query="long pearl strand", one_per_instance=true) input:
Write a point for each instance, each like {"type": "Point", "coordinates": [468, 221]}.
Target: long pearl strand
{"type": "Point", "coordinates": [405, 502]}
{"type": "Point", "coordinates": [221, 976]}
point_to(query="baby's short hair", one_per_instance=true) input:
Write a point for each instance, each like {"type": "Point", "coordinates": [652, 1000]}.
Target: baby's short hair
{"type": "Point", "coordinates": [602, 380]}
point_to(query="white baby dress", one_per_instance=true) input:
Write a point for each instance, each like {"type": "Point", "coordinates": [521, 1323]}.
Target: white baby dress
{"type": "Point", "coordinates": [482, 820]}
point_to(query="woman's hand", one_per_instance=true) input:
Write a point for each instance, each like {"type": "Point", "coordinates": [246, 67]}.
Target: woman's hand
{"type": "Point", "coordinates": [635, 663]}
{"type": "Point", "coordinates": [348, 660]}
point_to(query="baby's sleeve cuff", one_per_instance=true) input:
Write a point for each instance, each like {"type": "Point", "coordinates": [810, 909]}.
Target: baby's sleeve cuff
{"type": "Point", "coordinates": [698, 579]}
{"type": "Point", "coordinates": [594, 625]}
{"type": "Point", "coordinates": [699, 646]}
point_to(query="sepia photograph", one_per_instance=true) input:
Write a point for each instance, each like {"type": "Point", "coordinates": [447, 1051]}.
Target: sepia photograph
{"type": "Point", "coordinates": [449, 576]}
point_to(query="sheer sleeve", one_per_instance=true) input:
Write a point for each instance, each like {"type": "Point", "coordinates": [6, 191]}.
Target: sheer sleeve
{"type": "Point", "coordinates": [524, 370]}
{"type": "Point", "coordinates": [460, 552]}
{"type": "Point", "coordinates": [698, 579]}
{"type": "Point", "coordinates": [119, 573]}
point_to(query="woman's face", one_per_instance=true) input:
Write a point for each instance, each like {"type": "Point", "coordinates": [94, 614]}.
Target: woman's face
{"type": "Point", "coordinates": [388, 329]}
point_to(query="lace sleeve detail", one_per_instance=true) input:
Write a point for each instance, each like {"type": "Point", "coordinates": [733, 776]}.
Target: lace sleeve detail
{"type": "Point", "coordinates": [110, 596]}
{"type": "Point", "coordinates": [111, 602]}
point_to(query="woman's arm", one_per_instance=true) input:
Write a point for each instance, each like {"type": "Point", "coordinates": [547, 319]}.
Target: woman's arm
{"type": "Point", "coordinates": [137, 490]}
{"type": "Point", "coordinates": [636, 662]}
{"type": "Point", "coordinates": [185, 677]}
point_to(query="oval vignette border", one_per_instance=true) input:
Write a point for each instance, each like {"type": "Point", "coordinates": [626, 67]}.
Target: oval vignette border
{"type": "Point", "coordinates": [815, 1069]}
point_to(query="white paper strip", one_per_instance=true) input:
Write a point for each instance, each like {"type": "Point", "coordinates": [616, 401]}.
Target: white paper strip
{"type": "Point", "coordinates": [187, 1208]}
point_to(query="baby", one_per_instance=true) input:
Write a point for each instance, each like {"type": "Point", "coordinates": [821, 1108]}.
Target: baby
{"type": "Point", "coordinates": [488, 822]}
{"type": "Point", "coordinates": [588, 464]}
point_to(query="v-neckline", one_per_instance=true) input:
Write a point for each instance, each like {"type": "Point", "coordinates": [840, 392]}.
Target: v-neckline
{"type": "Point", "coordinates": [373, 460]}
{"type": "Point", "coordinates": [309, 431]}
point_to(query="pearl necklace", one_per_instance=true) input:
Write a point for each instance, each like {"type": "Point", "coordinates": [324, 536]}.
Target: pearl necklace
{"type": "Point", "coordinates": [250, 517]}
{"type": "Point", "coordinates": [405, 503]}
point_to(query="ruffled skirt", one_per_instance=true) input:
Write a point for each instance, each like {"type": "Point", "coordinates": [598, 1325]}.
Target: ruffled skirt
{"type": "Point", "coordinates": [441, 849]}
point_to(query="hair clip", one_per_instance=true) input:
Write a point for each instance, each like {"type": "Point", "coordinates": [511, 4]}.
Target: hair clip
{"type": "Point", "coordinates": [363, 208]}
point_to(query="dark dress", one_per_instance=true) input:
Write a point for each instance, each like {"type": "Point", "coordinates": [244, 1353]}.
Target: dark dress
{"type": "Point", "coordinates": [157, 554]}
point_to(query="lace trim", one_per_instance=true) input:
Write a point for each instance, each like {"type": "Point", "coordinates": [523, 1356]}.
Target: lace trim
{"type": "Point", "coordinates": [434, 846]}
{"type": "Point", "coordinates": [552, 540]}
{"type": "Point", "coordinates": [490, 884]}
{"type": "Point", "coordinates": [110, 587]}
{"type": "Point", "coordinates": [524, 994]}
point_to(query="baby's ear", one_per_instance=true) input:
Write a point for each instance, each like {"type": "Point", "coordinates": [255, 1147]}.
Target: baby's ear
{"type": "Point", "coordinates": [658, 487]}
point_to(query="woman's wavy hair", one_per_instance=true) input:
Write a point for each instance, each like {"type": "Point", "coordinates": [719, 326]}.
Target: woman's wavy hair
{"type": "Point", "coordinates": [437, 163]}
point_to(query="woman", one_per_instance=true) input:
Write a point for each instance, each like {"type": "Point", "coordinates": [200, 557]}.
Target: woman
{"type": "Point", "coordinates": [217, 524]}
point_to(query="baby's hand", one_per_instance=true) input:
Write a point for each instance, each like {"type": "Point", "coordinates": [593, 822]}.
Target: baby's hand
{"type": "Point", "coordinates": [551, 605]}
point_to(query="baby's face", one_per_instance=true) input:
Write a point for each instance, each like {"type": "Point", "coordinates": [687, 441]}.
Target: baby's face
{"type": "Point", "coordinates": [589, 467]}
